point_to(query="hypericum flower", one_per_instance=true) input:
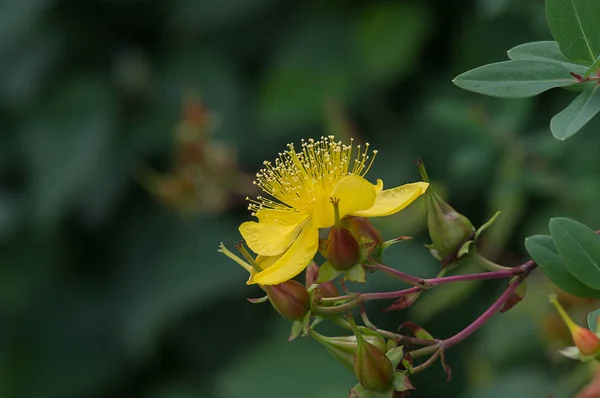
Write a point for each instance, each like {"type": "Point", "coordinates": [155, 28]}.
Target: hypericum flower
{"type": "Point", "coordinates": [301, 186]}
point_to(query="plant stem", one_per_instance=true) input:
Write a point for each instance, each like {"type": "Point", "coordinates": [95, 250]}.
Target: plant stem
{"type": "Point", "coordinates": [427, 363]}
{"type": "Point", "coordinates": [394, 273]}
{"type": "Point", "coordinates": [475, 325]}
{"type": "Point", "coordinates": [472, 277]}
{"type": "Point", "coordinates": [421, 352]}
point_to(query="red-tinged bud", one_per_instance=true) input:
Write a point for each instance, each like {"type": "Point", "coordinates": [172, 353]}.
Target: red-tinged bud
{"type": "Point", "coordinates": [312, 272]}
{"type": "Point", "coordinates": [585, 340]}
{"type": "Point", "coordinates": [344, 348]}
{"type": "Point", "coordinates": [342, 249]}
{"type": "Point", "coordinates": [516, 297]}
{"type": "Point", "coordinates": [448, 229]}
{"type": "Point", "coordinates": [372, 367]}
{"type": "Point", "coordinates": [368, 236]}
{"type": "Point", "coordinates": [289, 298]}
{"type": "Point", "coordinates": [327, 289]}
{"type": "Point", "coordinates": [323, 290]}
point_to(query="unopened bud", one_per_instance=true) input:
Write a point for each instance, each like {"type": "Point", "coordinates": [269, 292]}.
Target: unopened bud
{"type": "Point", "coordinates": [326, 290]}
{"type": "Point", "coordinates": [585, 340]}
{"type": "Point", "coordinates": [343, 348]}
{"type": "Point", "coordinates": [323, 290]}
{"type": "Point", "coordinates": [372, 367]}
{"type": "Point", "coordinates": [342, 249]}
{"type": "Point", "coordinates": [448, 229]}
{"type": "Point", "coordinates": [289, 298]}
{"type": "Point", "coordinates": [516, 297]}
{"type": "Point", "coordinates": [368, 236]}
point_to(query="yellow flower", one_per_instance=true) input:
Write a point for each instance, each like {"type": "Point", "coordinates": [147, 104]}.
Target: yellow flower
{"type": "Point", "coordinates": [286, 236]}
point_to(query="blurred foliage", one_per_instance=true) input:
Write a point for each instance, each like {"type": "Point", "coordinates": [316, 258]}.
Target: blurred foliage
{"type": "Point", "coordinates": [107, 292]}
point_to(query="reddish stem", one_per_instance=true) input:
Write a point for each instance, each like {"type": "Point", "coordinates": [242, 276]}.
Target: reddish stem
{"type": "Point", "coordinates": [469, 330]}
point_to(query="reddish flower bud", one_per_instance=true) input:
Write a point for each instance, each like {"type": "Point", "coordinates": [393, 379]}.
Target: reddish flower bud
{"type": "Point", "coordinates": [327, 289]}
{"type": "Point", "coordinates": [368, 236]}
{"type": "Point", "coordinates": [342, 250]}
{"type": "Point", "coordinates": [289, 298]}
{"type": "Point", "coordinates": [585, 340]}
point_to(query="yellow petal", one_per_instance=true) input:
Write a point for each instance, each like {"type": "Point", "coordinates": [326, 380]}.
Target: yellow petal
{"type": "Point", "coordinates": [393, 200]}
{"type": "Point", "coordinates": [379, 186]}
{"type": "Point", "coordinates": [270, 239]}
{"type": "Point", "coordinates": [280, 217]}
{"type": "Point", "coordinates": [263, 263]}
{"type": "Point", "coordinates": [293, 261]}
{"type": "Point", "coordinates": [354, 192]}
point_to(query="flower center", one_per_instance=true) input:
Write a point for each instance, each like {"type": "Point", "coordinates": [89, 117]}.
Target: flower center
{"type": "Point", "coordinates": [299, 181]}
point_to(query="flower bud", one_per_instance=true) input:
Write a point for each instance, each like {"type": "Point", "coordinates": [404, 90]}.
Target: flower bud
{"type": "Point", "coordinates": [327, 290]}
{"type": "Point", "coordinates": [289, 298]}
{"type": "Point", "coordinates": [372, 367]}
{"type": "Point", "coordinates": [323, 290]}
{"type": "Point", "coordinates": [344, 348]}
{"type": "Point", "coordinates": [342, 249]}
{"type": "Point", "coordinates": [369, 237]}
{"type": "Point", "coordinates": [448, 229]}
{"type": "Point", "coordinates": [585, 340]}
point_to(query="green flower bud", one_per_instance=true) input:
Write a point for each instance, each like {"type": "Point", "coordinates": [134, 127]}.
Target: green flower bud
{"type": "Point", "coordinates": [448, 229]}
{"type": "Point", "coordinates": [289, 298]}
{"type": "Point", "coordinates": [372, 367]}
{"type": "Point", "coordinates": [343, 348]}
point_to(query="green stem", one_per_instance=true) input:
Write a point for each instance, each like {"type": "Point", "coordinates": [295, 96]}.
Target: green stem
{"type": "Point", "coordinates": [592, 68]}
{"type": "Point", "coordinates": [427, 363]}
{"type": "Point", "coordinates": [489, 265]}
{"type": "Point", "coordinates": [421, 352]}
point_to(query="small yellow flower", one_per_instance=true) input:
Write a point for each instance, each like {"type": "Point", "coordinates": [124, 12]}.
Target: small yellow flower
{"type": "Point", "coordinates": [302, 184]}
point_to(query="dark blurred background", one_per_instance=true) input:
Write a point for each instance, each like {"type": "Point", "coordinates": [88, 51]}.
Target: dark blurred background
{"type": "Point", "coordinates": [131, 130]}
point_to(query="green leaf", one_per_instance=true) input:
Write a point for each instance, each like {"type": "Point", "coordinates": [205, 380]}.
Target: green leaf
{"type": "Point", "coordinates": [515, 79]}
{"type": "Point", "coordinates": [592, 320]}
{"type": "Point", "coordinates": [359, 391]}
{"type": "Point", "coordinates": [356, 274]}
{"type": "Point", "coordinates": [547, 51]}
{"type": "Point", "coordinates": [542, 250]}
{"type": "Point", "coordinates": [580, 111]}
{"type": "Point", "coordinates": [579, 248]}
{"type": "Point", "coordinates": [299, 327]}
{"type": "Point", "coordinates": [402, 382]}
{"type": "Point", "coordinates": [395, 355]}
{"type": "Point", "coordinates": [327, 273]}
{"type": "Point", "coordinates": [574, 25]}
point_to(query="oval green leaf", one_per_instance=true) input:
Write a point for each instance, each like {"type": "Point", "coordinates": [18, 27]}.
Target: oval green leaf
{"type": "Point", "coordinates": [548, 51]}
{"type": "Point", "coordinates": [516, 79]}
{"type": "Point", "coordinates": [574, 25]}
{"type": "Point", "coordinates": [579, 247]}
{"type": "Point", "coordinates": [542, 250]}
{"type": "Point", "coordinates": [580, 111]}
{"type": "Point", "coordinates": [592, 320]}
